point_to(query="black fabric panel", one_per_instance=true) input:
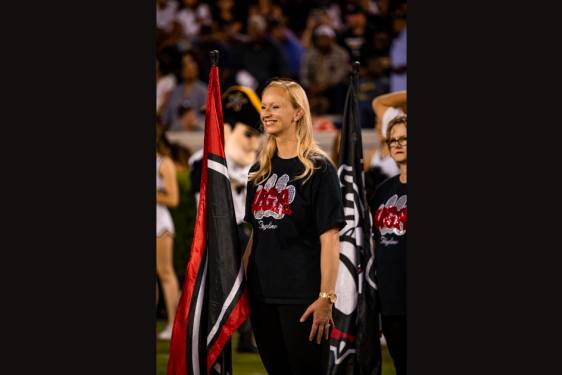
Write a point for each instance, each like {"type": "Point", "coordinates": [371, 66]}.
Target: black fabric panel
{"type": "Point", "coordinates": [195, 176]}
{"type": "Point", "coordinates": [368, 355]}
{"type": "Point", "coordinates": [217, 158]}
{"type": "Point", "coordinates": [225, 256]}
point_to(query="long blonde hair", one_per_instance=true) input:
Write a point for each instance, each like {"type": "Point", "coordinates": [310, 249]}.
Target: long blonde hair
{"type": "Point", "coordinates": [307, 149]}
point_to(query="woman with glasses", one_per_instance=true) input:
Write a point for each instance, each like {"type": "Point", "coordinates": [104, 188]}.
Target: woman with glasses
{"type": "Point", "coordinates": [389, 210]}
{"type": "Point", "coordinates": [386, 107]}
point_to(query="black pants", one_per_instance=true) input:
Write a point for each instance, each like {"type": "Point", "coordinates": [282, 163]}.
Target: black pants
{"type": "Point", "coordinates": [394, 330]}
{"type": "Point", "coordinates": [283, 340]}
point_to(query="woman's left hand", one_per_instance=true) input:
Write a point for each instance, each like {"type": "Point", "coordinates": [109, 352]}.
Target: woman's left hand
{"type": "Point", "coordinates": [322, 318]}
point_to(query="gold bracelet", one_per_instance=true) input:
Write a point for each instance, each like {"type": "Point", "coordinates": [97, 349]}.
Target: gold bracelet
{"type": "Point", "coordinates": [332, 298]}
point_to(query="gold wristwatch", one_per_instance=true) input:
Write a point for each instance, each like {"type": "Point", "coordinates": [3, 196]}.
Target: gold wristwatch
{"type": "Point", "coordinates": [330, 297]}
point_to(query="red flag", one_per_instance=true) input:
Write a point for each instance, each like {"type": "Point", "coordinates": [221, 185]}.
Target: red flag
{"type": "Point", "coordinates": [214, 300]}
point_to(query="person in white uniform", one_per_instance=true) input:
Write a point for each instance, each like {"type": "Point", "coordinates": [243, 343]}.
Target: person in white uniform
{"type": "Point", "coordinates": [167, 195]}
{"type": "Point", "coordinates": [242, 130]}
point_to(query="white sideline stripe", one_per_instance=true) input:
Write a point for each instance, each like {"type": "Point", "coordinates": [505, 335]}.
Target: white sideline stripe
{"type": "Point", "coordinates": [338, 360]}
{"type": "Point", "coordinates": [197, 320]}
{"type": "Point", "coordinates": [227, 302]}
{"type": "Point", "coordinates": [218, 167]}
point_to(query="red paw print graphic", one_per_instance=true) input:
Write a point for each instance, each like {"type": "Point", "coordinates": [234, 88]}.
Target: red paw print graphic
{"type": "Point", "coordinates": [392, 217]}
{"type": "Point", "coordinates": [273, 201]}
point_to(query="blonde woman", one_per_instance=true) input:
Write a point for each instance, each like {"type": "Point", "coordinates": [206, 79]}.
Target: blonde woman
{"type": "Point", "coordinates": [167, 195]}
{"type": "Point", "coordinates": [294, 205]}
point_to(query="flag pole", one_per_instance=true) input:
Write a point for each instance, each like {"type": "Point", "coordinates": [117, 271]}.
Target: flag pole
{"type": "Point", "coordinates": [214, 55]}
{"type": "Point", "coordinates": [355, 67]}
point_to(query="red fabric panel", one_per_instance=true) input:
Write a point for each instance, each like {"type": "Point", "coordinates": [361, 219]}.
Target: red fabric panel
{"type": "Point", "coordinates": [339, 334]}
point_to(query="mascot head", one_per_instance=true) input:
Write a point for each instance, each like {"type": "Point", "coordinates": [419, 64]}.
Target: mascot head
{"type": "Point", "coordinates": [241, 109]}
{"type": "Point", "coordinates": [242, 125]}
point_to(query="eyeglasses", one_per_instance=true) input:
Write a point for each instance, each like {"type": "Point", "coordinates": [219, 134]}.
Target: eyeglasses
{"type": "Point", "coordinates": [402, 141]}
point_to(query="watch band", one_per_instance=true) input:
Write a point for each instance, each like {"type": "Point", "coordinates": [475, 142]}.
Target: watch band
{"type": "Point", "coordinates": [332, 297]}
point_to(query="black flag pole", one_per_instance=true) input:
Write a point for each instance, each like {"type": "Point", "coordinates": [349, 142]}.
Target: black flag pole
{"type": "Point", "coordinates": [355, 67]}
{"type": "Point", "coordinates": [214, 55]}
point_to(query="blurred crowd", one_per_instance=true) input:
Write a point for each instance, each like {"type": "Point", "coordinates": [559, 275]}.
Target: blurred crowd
{"type": "Point", "coordinates": [313, 42]}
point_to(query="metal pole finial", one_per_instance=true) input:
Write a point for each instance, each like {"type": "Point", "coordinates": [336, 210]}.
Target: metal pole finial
{"type": "Point", "coordinates": [355, 66]}
{"type": "Point", "coordinates": [214, 55]}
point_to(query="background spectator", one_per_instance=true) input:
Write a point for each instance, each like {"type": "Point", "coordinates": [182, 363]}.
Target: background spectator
{"type": "Point", "coordinates": [334, 9]}
{"type": "Point", "coordinates": [398, 52]}
{"type": "Point", "coordinates": [325, 70]}
{"type": "Point", "coordinates": [317, 17]}
{"type": "Point", "coordinates": [191, 16]}
{"type": "Point", "coordinates": [294, 50]}
{"type": "Point", "coordinates": [358, 38]}
{"type": "Point", "coordinates": [207, 42]}
{"type": "Point", "coordinates": [373, 84]}
{"type": "Point", "coordinates": [165, 83]}
{"type": "Point", "coordinates": [191, 88]}
{"type": "Point", "coordinates": [265, 8]}
{"type": "Point", "coordinates": [318, 107]}
{"type": "Point", "coordinates": [187, 119]}
{"type": "Point", "coordinates": [296, 13]}
{"type": "Point", "coordinates": [370, 7]}
{"type": "Point", "coordinates": [261, 57]}
{"type": "Point", "coordinates": [165, 15]}
{"type": "Point", "coordinates": [226, 11]}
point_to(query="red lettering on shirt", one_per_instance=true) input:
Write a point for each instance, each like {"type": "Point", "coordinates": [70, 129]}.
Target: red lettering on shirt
{"type": "Point", "coordinates": [393, 219]}
{"type": "Point", "coordinates": [283, 199]}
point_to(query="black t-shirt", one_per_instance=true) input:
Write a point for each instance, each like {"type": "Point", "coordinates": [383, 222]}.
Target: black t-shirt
{"type": "Point", "coordinates": [288, 219]}
{"type": "Point", "coordinates": [389, 210]}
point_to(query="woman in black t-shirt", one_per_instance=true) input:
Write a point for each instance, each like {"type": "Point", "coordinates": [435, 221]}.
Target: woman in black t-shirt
{"type": "Point", "coordinates": [390, 218]}
{"type": "Point", "coordinates": [294, 205]}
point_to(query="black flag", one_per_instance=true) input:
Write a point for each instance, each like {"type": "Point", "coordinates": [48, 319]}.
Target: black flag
{"type": "Point", "coordinates": [355, 343]}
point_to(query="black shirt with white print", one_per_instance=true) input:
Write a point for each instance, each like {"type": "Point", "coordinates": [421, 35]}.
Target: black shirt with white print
{"type": "Point", "coordinates": [288, 218]}
{"type": "Point", "coordinates": [389, 209]}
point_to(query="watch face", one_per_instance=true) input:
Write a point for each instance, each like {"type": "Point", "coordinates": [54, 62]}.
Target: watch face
{"type": "Point", "coordinates": [333, 298]}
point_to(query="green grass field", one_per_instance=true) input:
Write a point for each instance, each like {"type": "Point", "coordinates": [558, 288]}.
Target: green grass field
{"type": "Point", "coordinates": [242, 364]}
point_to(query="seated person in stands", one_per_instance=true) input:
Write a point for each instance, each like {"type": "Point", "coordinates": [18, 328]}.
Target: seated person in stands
{"type": "Point", "coordinates": [325, 69]}
{"type": "Point", "coordinates": [191, 88]}
{"type": "Point", "coordinates": [187, 119]}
